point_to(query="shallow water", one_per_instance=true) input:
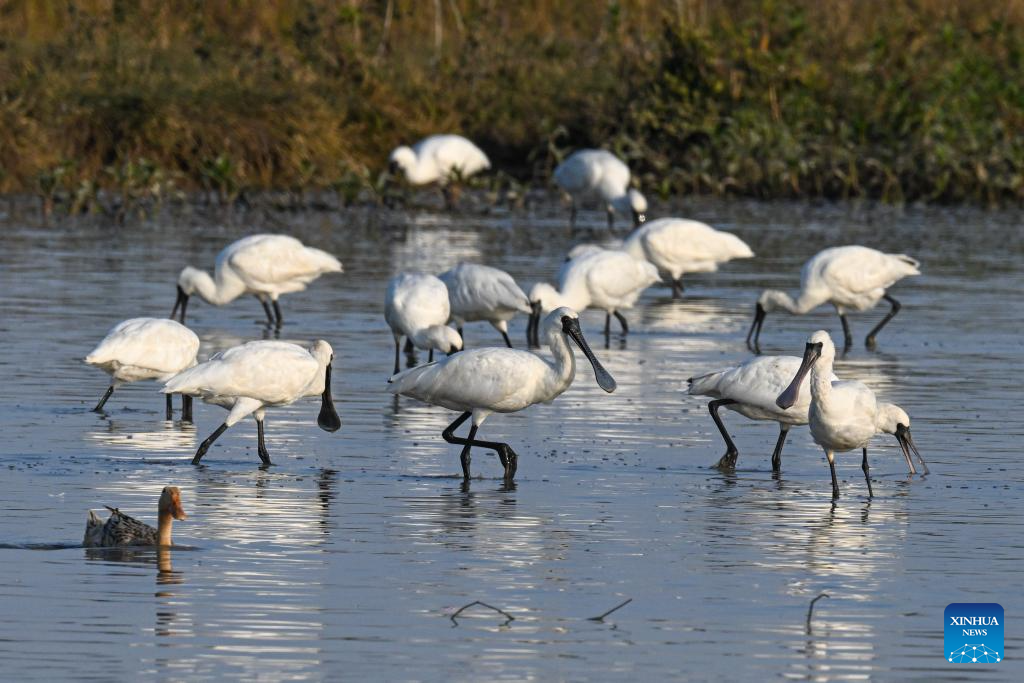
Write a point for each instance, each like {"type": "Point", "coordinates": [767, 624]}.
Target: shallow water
{"type": "Point", "coordinates": [349, 555]}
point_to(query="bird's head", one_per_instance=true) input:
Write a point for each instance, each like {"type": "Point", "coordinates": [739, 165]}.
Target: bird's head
{"type": "Point", "coordinates": [565, 321]}
{"type": "Point", "coordinates": [443, 338]}
{"type": "Point", "coordinates": [891, 419]}
{"type": "Point", "coordinates": [401, 159]}
{"type": "Point", "coordinates": [188, 281]}
{"type": "Point", "coordinates": [819, 347]}
{"type": "Point", "coordinates": [170, 503]}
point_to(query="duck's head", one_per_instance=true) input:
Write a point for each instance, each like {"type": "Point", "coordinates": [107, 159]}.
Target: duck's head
{"type": "Point", "coordinates": [401, 159]}
{"type": "Point", "coordinates": [170, 503]}
{"type": "Point", "coordinates": [819, 347]}
{"type": "Point", "coordinates": [565, 321]}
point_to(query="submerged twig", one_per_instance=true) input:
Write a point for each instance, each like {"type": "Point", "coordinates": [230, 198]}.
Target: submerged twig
{"type": "Point", "coordinates": [508, 617]}
{"type": "Point", "coordinates": [617, 607]}
{"type": "Point", "coordinates": [810, 610]}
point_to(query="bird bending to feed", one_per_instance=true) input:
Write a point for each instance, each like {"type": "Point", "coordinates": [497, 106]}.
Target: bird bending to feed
{"type": "Point", "coordinates": [750, 389]}
{"type": "Point", "coordinates": [248, 379]}
{"type": "Point", "coordinates": [844, 415]}
{"type": "Point", "coordinates": [121, 530]}
{"type": "Point", "coordinates": [599, 173]}
{"type": "Point", "coordinates": [265, 266]}
{"type": "Point", "coordinates": [478, 292]}
{"type": "Point", "coordinates": [850, 278]}
{"type": "Point", "coordinates": [479, 382]}
{"type": "Point", "coordinates": [442, 159]}
{"type": "Point", "coordinates": [146, 348]}
{"type": "Point", "coordinates": [416, 306]}
{"type": "Point", "coordinates": [611, 281]}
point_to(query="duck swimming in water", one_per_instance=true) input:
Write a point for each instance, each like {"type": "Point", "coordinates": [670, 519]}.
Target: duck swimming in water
{"type": "Point", "coordinates": [121, 530]}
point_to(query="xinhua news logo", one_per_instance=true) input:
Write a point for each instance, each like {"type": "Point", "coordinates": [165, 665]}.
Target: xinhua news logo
{"type": "Point", "coordinates": [973, 633]}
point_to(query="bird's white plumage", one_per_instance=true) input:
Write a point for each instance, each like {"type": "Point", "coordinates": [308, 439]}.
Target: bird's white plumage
{"type": "Point", "coordinates": [416, 306]}
{"type": "Point", "coordinates": [754, 385]}
{"type": "Point", "coordinates": [597, 173]}
{"type": "Point", "coordinates": [437, 158]}
{"type": "Point", "coordinates": [477, 292]}
{"type": "Point", "coordinates": [852, 278]}
{"type": "Point", "coordinates": [264, 265]}
{"type": "Point", "coordinates": [678, 246]}
{"type": "Point", "coordinates": [607, 280]}
{"type": "Point", "coordinates": [255, 375]}
{"type": "Point", "coordinates": [145, 348]}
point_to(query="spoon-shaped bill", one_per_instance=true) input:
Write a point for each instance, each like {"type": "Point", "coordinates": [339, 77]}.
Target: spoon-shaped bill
{"type": "Point", "coordinates": [907, 445]}
{"type": "Point", "coordinates": [571, 326]}
{"type": "Point", "coordinates": [788, 397]}
{"type": "Point", "coordinates": [755, 328]}
{"type": "Point", "coordinates": [182, 301]}
{"type": "Point", "coordinates": [328, 418]}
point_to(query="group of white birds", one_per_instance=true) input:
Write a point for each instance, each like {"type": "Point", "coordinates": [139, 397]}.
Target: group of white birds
{"type": "Point", "coordinates": [422, 308]}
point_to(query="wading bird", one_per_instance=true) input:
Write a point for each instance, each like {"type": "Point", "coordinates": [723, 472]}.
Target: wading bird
{"type": "Point", "coordinates": [146, 348]}
{"type": "Point", "coordinates": [844, 415]}
{"type": "Point", "coordinates": [479, 382]}
{"type": "Point", "coordinates": [850, 278]}
{"type": "Point", "coordinates": [265, 266]}
{"type": "Point", "coordinates": [478, 292]}
{"type": "Point", "coordinates": [611, 281]}
{"type": "Point", "coordinates": [442, 159]}
{"type": "Point", "coordinates": [416, 306]}
{"type": "Point", "coordinates": [750, 389]}
{"type": "Point", "coordinates": [597, 173]}
{"type": "Point", "coordinates": [121, 530]}
{"type": "Point", "coordinates": [250, 378]}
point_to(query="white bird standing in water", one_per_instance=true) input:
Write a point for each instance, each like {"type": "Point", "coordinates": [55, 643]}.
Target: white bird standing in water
{"type": "Point", "coordinates": [850, 278]}
{"type": "Point", "coordinates": [250, 378]}
{"type": "Point", "coordinates": [265, 266]}
{"type": "Point", "coordinates": [146, 348]}
{"type": "Point", "coordinates": [416, 306]}
{"type": "Point", "coordinates": [479, 382]}
{"type": "Point", "coordinates": [611, 281]}
{"type": "Point", "coordinates": [750, 389]}
{"type": "Point", "coordinates": [598, 173]}
{"type": "Point", "coordinates": [478, 292]}
{"type": "Point", "coordinates": [442, 159]}
{"type": "Point", "coordinates": [845, 415]}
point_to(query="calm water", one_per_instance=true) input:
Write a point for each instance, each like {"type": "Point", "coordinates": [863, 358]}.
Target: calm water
{"type": "Point", "coordinates": [347, 557]}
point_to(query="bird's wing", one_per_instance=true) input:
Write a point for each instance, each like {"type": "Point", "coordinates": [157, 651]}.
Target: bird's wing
{"type": "Point", "coordinates": [456, 152]}
{"type": "Point", "coordinates": [268, 371]}
{"type": "Point", "coordinates": [276, 259]}
{"type": "Point", "coordinates": [616, 275]}
{"type": "Point", "coordinates": [859, 269]}
{"type": "Point", "coordinates": [154, 343]}
{"type": "Point", "coordinates": [121, 529]}
{"type": "Point", "coordinates": [415, 302]}
{"type": "Point", "coordinates": [680, 241]}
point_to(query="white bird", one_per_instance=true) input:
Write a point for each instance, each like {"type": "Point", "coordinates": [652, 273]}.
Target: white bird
{"type": "Point", "coordinates": [845, 415]}
{"type": "Point", "coordinates": [416, 306]}
{"type": "Point", "coordinates": [441, 159]}
{"type": "Point", "coordinates": [478, 292]}
{"type": "Point", "coordinates": [265, 266]}
{"type": "Point", "coordinates": [750, 389]}
{"type": "Point", "coordinates": [598, 173]}
{"type": "Point", "coordinates": [611, 281]}
{"type": "Point", "coordinates": [850, 278]}
{"type": "Point", "coordinates": [248, 379]}
{"type": "Point", "coordinates": [479, 382]}
{"type": "Point", "coordinates": [146, 348]}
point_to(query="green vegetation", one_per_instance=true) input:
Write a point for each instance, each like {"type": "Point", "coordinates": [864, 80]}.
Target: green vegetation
{"type": "Point", "coordinates": [145, 99]}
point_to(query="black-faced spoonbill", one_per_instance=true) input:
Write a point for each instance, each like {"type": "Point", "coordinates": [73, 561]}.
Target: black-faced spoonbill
{"type": "Point", "coordinates": [146, 348]}
{"type": "Point", "coordinates": [479, 382]}
{"type": "Point", "coordinates": [442, 159]}
{"type": "Point", "coordinates": [611, 281]}
{"type": "Point", "coordinates": [844, 415]}
{"type": "Point", "coordinates": [598, 173]}
{"type": "Point", "coordinates": [120, 530]}
{"type": "Point", "coordinates": [478, 292]}
{"type": "Point", "coordinates": [750, 389]}
{"type": "Point", "coordinates": [250, 378]}
{"type": "Point", "coordinates": [265, 266]}
{"type": "Point", "coordinates": [850, 278]}
{"type": "Point", "coordinates": [416, 306]}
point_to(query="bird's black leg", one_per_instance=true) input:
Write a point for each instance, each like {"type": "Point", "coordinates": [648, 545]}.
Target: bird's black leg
{"type": "Point", "coordinates": [832, 467]}
{"type": "Point", "coordinates": [205, 446]}
{"type": "Point", "coordinates": [867, 477]}
{"type": "Point", "coordinates": [508, 457]}
{"type": "Point", "coordinates": [103, 401]}
{"type": "Point", "coordinates": [870, 340]}
{"type": "Point", "coordinates": [777, 453]}
{"type": "Point", "coordinates": [409, 348]}
{"type": "Point", "coordinates": [607, 324]}
{"type": "Point", "coordinates": [430, 356]}
{"type": "Point", "coordinates": [622, 321]}
{"type": "Point", "coordinates": [277, 312]}
{"type": "Point", "coordinates": [611, 218]}
{"type": "Point", "coordinates": [677, 288]}
{"type": "Point", "coordinates": [186, 408]}
{"type": "Point", "coordinates": [268, 312]}
{"type": "Point", "coordinates": [398, 366]}
{"type": "Point", "coordinates": [261, 446]}
{"type": "Point", "coordinates": [170, 408]}
{"type": "Point", "coordinates": [508, 342]}
{"type": "Point", "coordinates": [847, 336]}
{"type": "Point", "coordinates": [727, 461]}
